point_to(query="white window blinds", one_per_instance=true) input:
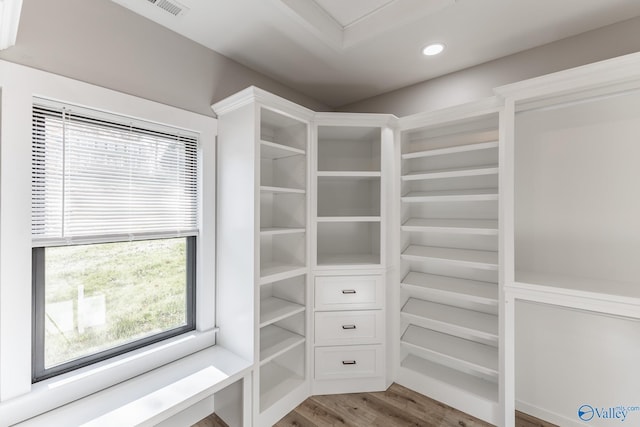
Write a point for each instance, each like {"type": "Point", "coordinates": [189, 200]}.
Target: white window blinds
{"type": "Point", "coordinates": [100, 178]}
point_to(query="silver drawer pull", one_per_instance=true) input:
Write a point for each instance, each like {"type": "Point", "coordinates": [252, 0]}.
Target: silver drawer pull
{"type": "Point", "coordinates": [348, 291]}
{"type": "Point", "coordinates": [348, 326]}
{"type": "Point", "coordinates": [348, 362]}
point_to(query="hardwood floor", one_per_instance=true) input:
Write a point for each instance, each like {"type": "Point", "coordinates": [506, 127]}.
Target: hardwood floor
{"type": "Point", "coordinates": [395, 407]}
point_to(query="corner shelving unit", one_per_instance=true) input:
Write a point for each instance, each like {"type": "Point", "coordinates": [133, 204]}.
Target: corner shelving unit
{"type": "Point", "coordinates": [263, 250]}
{"type": "Point", "coordinates": [352, 157]}
{"type": "Point", "coordinates": [449, 250]}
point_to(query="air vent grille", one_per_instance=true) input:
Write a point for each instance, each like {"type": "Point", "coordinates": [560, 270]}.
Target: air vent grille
{"type": "Point", "coordinates": [170, 6]}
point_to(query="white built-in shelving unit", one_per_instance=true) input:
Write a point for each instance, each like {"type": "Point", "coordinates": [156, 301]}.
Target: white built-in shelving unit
{"type": "Point", "coordinates": [354, 250]}
{"type": "Point", "coordinates": [572, 235]}
{"type": "Point", "coordinates": [351, 183]}
{"type": "Point", "coordinates": [263, 176]}
{"type": "Point", "coordinates": [449, 337]}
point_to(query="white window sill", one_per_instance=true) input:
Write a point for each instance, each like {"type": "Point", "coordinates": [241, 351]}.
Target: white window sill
{"type": "Point", "coordinates": [153, 397]}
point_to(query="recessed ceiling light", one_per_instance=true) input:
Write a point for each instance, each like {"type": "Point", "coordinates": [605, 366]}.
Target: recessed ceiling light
{"type": "Point", "coordinates": [433, 49]}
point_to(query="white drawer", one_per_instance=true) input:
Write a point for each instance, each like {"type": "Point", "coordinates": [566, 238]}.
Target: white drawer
{"type": "Point", "coordinates": [333, 363]}
{"type": "Point", "coordinates": [348, 327]}
{"type": "Point", "coordinates": [348, 292]}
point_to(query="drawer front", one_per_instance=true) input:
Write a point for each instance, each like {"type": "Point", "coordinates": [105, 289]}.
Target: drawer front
{"type": "Point", "coordinates": [348, 292]}
{"type": "Point", "coordinates": [333, 363]}
{"type": "Point", "coordinates": [348, 327]}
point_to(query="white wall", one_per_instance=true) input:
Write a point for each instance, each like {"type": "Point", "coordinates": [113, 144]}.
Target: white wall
{"type": "Point", "coordinates": [577, 215]}
{"type": "Point", "coordinates": [100, 42]}
{"type": "Point", "coordinates": [477, 82]}
{"type": "Point", "coordinates": [569, 358]}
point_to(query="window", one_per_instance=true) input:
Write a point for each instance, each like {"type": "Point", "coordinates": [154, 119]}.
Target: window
{"type": "Point", "coordinates": [114, 229]}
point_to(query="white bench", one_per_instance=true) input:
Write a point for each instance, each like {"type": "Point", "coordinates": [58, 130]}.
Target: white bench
{"type": "Point", "coordinates": [159, 396]}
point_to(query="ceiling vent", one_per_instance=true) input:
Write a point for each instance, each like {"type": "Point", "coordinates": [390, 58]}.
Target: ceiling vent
{"type": "Point", "coordinates": [170, 6]}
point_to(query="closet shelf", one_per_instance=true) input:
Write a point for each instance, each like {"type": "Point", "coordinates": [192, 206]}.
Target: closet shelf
{"type": "Point", "coordinates": [485, 260]}
{"type": "Point", "coordinates": [273, 150]}
{"type": "Point", "coordinates": [466, 226]}
{"type": "Point", "coordinates": [273, 272]}
{"type": "Point", "coordinates": [452, 173]}
{"type": "Point", "coordinates": [451, 351]}
{"type": "Point", "coordinates": [451, 288]}
{"type": "Point", "coordinates": [273, 309]}
{"type": "Point", "coordinates": [276, 382]}
{"type": "Point", "coordinates": [451, 150]}
{"type": "Point", "coordinates": [351, 259]}
{"type": "Point", "coordinates": [272, 231]}
{"type": "Point", "coordinates": [348, 219]}
{"type": "Point", "coordinates": [487, 390]}
{"type": "Point", "coordinates": [349, 174]}
{"type": "Point", "coordinates": [267, 189]}
{"type": "Point", "coordinates": [482, 194]}
{"type": "Point", "coordinates": [463, 323]}
{"type": "Point", "coordinates": [275, 341]}
{"type": "Point", "coordinates": [571, 285]}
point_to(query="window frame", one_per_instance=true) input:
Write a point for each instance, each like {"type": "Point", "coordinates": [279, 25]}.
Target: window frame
{"type": "Point", "coordinates": [40, 372]}
{"type": "Point", "coordinates": [19, 397]}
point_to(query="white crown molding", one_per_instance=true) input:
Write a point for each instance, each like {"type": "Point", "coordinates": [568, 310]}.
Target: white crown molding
{"type": "Point", "coordinates": [9, 20]}
{"type": "Point", "coordinates": [269, 100]}
{"type": "Point", "coordinates": [355, 119]}
{"type": "Point", "coordinates": [455, 113]}
{"type": "Point", "coordinates": [533, 93]}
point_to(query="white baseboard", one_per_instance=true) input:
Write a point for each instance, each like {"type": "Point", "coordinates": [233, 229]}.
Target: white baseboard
{"type": "Point", "coordinates": [546, 415]}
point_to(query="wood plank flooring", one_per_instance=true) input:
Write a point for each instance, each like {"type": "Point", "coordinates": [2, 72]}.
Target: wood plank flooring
{"type": "Point", "coordinates": [395, 407]}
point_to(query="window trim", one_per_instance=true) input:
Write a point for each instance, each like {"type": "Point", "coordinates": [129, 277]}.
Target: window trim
{"type": "Point", "coordinates": [19, 398]}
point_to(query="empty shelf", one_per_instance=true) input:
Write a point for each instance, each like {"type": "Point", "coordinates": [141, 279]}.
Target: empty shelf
{"type": "Point", "coordinates": [451, 150]}
{"type": "Point", "coordinates": [469, 383]}
{"type": "Point", "coordinates": [271, 231]}
{"type": "Point", "coordinates": [461, 322]}
{"type": "Point", "coordinates": [456, 353]}
{"type": "Point", "coordinates": [273, 309]}
{"type": "Point", "coordinates": [348, 259]}
{"type": "Point", "coordinates": [482, 194]}
{"type": "Point", "coordinates": [275, 383]}
{"type": "Point", "coordinates": [452, 288]}
{"type": "Point", "coordinates": [348, 219]}
{"type": "Point", "coordinates": [272, 272]}
{"type": "Point", "coordinates": [468, 226]}
{"type": "Point", "coordinates": [452, 173]}
{"type": "Point", "coordinates": [273, 150]}
{"type": "Point", "coordinates": [275, 341]}
{"type": "Point", "coordinates": [350, 174]}
{"type": "Point", "coordinates": [486, 260]}
{"type": "Point", "coordinates": [267, 189]}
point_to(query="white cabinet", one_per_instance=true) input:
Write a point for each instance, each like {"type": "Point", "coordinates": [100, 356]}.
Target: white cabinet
{"type": "Point", "coordinates": [352, 182]}
{"type": "Point", "coordinates": [349, 332]}
{"type": "Point", "coordinates": [449, 251]}
{"type": "Point", "coordinates": [263, 254]}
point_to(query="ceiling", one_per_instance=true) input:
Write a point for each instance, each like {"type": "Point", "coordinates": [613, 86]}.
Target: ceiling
{"type": "Point", "coordinates": [342, 51]}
